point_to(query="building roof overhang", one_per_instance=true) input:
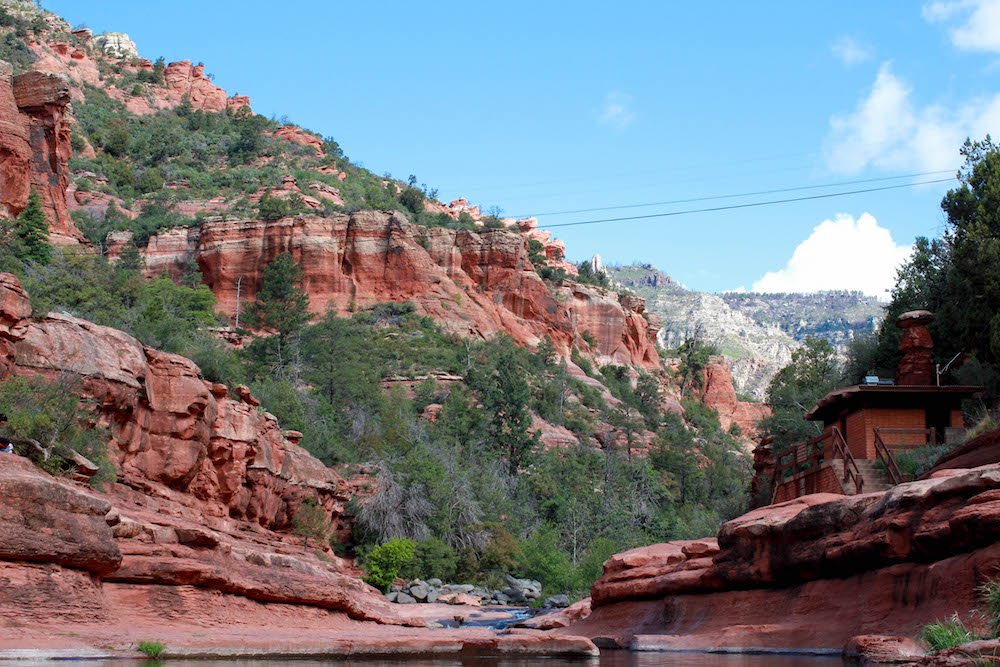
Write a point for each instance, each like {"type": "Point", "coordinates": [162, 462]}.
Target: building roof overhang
{"type": "Point", "coordinates": [863, 395]}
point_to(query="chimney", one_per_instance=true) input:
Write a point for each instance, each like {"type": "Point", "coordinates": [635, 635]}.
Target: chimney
{"type": "Point", "coordinates": [917, 365]}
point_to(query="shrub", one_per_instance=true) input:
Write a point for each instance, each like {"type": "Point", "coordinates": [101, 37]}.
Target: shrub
{"type": "Point", "coordinates": [151, 649]}
{"type": "Point", "coordinates": [386, 560]}
{"type": "Point", "coordinates": [990, 592]}
{"type": "Point", "coordinates": [432, 559]}
{"type": "Point", "coordinates": [915, 462]}
{"type": "Point", "coordinates": [310, 520]}
{"type": "Point", "coordinates": [946, 634]}
{"type": "Point", "coordinates": [49, 424]}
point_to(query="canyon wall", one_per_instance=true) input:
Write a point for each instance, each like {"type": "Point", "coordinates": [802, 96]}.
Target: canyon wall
{"type": "Point", "coordinates": [35, 148]}
{"type": "Point", "coordinates": [811, 573]}
{"type": "Point", "coordinates": [474, 283]}
{"type": "Point", "coordinates": [207, 488]}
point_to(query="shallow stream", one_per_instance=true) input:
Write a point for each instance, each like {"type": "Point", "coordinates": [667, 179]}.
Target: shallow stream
{"type": "Point", "coordinates": [607, 659]}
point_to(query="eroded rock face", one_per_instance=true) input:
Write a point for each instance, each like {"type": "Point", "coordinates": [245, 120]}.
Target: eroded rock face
{"type": "Point", "coordinates": [204, 481]}
{"type": "Point", "coordinates": [719, 394]}
{"type": "Point", "coordinates": [43, 521]}
{"type": "Point", "coordinates": [812, 572]}
{"type": "Point", "coordinates": [474, 283]}
{"type": "Point", "coordinates": [35, 148]}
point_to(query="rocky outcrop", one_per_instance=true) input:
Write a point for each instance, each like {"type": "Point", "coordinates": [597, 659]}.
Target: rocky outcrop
{"type": "Point", "coordinates": [719, 394]}
{"type": "Point", "coordinates": [810, 573]}
{"type": "Point", "coordinates": [35, 148]}
{"type": "Point", "coordinates": [475, 283]}
{"type": "Point", "coordinates": [917, 365]}
{"type": "Point", "coordinates": [207, 483]}
{"type": "Point", "coordinates": [116, 44]}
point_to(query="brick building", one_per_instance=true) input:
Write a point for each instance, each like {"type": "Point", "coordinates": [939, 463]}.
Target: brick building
{"type": "Point", "coordinates": [865, 426]}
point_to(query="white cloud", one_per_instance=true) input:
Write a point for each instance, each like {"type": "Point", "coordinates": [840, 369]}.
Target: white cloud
{"type": "Point", "coordinates": [850, 51]}
{"type": "Point", "coordinates": [842, 253]}
{"type": "Point", "coordinates": [889, 131]}
{"type": "Point", "coordinates": [617, 110]}
{"type": "Point", "coordinates": [979, 22]}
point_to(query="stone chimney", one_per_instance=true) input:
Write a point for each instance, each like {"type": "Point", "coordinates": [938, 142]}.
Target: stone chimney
{"type": "Point", "coordinates": [917, 365]}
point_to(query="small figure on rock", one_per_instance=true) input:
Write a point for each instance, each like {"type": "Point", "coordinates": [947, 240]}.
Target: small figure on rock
{"type": "Point", "coordinates": [6, 446]}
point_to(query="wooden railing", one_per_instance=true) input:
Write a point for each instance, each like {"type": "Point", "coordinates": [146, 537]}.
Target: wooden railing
{"type": "Point", "coordinates": [885, 456]}
{"type": "Point", "coordinates": [811, 454]}
{"type": "Point", "coordinates": [842, 451]}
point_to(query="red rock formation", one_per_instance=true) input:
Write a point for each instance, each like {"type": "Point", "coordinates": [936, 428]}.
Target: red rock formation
{"type": "Point", "coordinates": [473, 283]}
{"type": "Point", "coordinates": [719, 394]}
{"type": "Point", "coordinates": [204, 480]}
{"type": "Point", "coordinates": [297, 135]}
{"type": "Point", "coordinates": [187, 81]}
{"type": "Point", "coordinates": [812, 572]}
{"type": "Point", "coordinates": [917, 365]}
{"type": "Point", "coordinates": [35, 148]}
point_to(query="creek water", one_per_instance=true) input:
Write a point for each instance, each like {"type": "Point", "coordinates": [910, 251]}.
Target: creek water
{"type": "Point", "coordinates": [607, 659]}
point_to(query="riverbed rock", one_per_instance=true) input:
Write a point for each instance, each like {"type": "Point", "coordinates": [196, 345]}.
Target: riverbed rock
{"type": "Point", "coordinates": [882, 650]}
{"type": "Point", "coordinates": [810, 573]}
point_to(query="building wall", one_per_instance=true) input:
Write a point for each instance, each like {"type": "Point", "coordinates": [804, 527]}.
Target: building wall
{"type": "Point", "coordinates": [908, 418]}
{"type": "Point", "coordinates": [856, 436]}
{"type": "Point", "coordinates": [821, 480]}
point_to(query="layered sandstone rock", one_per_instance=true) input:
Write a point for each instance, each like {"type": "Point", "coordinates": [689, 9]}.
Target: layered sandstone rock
{"type": "Point", "coordinates": [35, 147]}
{"type": "Point", "coordinates": [812, 572]}
{"type": "Point", "coordinates": [204, 481]}
{"type": "Point", "coordinates": [474, 283]}
{"type": "Point", "coordinates": [719, 394]}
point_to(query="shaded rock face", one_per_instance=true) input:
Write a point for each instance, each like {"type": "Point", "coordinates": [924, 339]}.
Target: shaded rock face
{"type": "Point", "coordinates": [474, 283]}
{"type": "Point", "coordinates": [720, 395]}
{"type": "Point", "coordinates": [35, 147]}
{"type": "Point", "coordinates": [812, 572]}
{"type": "Point", "coordinates": [204, 480]}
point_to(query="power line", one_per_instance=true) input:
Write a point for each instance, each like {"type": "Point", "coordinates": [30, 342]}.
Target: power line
{"type": "Point", "coordinates": [736, 195]}
{"type": "Point", "coordinates": [746, 205]}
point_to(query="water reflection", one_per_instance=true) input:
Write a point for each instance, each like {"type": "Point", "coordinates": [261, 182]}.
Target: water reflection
{"type": "Point", "coordinates": [607, 659]}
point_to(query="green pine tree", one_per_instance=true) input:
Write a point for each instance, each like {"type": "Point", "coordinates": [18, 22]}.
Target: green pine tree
{"type": "Point", "coordinates": [281, 304]}
{"type": "Point", "coordinates": [32, 231]}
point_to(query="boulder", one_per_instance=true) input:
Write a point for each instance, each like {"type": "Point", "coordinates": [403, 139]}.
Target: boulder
{"type": "Point", "coordinates": [45, 520]}
{"type": "Point", "coordinates": [882, 650]}
{"type": "Point", "coordinates": [556, 602]}
{"type": "Point", "coordinates": [404, 598]}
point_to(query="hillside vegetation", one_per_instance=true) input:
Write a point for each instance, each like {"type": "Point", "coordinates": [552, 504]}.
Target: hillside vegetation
{"type": "Point", "coordinates": [460, 468]}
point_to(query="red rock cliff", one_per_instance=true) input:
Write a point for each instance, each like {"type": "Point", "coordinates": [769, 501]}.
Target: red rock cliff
{"type": "Point", "coordinates": [475, 283]}
{"type": "Point", "coordinates": [719, 394]}
{"type": "Point", "coordinates": [205, 480]}
{"type": "Point", "coordinates": [35, 148]}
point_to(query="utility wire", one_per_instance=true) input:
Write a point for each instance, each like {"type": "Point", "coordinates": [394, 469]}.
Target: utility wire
{"type": "Point", "coordinates": [734, 196]}
{"type": "Point", "coordinates": [746, 205]}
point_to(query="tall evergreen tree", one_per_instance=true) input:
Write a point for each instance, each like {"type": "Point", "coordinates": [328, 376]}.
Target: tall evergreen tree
{"type": "Point", "coordinates": [281, 304]}
{"type": "Point", "coordinates": [32, 232]}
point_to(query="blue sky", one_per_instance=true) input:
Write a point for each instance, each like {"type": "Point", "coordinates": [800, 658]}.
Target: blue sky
{"type": "Point", "coordinates": [546, 107]}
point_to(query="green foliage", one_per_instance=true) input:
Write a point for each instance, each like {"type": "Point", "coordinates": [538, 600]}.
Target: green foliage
{"type": "Point", "coordinates": [505, 396]}
{"type": "Point", "coordinates": [915, 462]}
{"type": "Point", "coordinates": [990, 593]}
{"type": "Point", "coordinates": [151, 649]}
{"type": "Point", "coordinates": [281, 304]}
{"type": "Point", "coordinates": [27, 238]}
{"type": "Point", "coordinates": [958, 275]}
{"type": "Point", "coordinates": [49, 422]}
{"type": "Point", "coordinates": [385, 561]}
{"type": "Point", "coordinates": [812, 373]}
{"type": "Point", "coordinates": [589, 276]}
{"type": "Point", "coordinates": [310, 521]}
{"type": "Point", "coordinates": [432, 558]}
{"type": "Point", "coordinates": [946, 634]}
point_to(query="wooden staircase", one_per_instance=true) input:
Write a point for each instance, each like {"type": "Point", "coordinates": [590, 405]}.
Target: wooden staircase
{"type": "Point", "coordinates": [873, 475]}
